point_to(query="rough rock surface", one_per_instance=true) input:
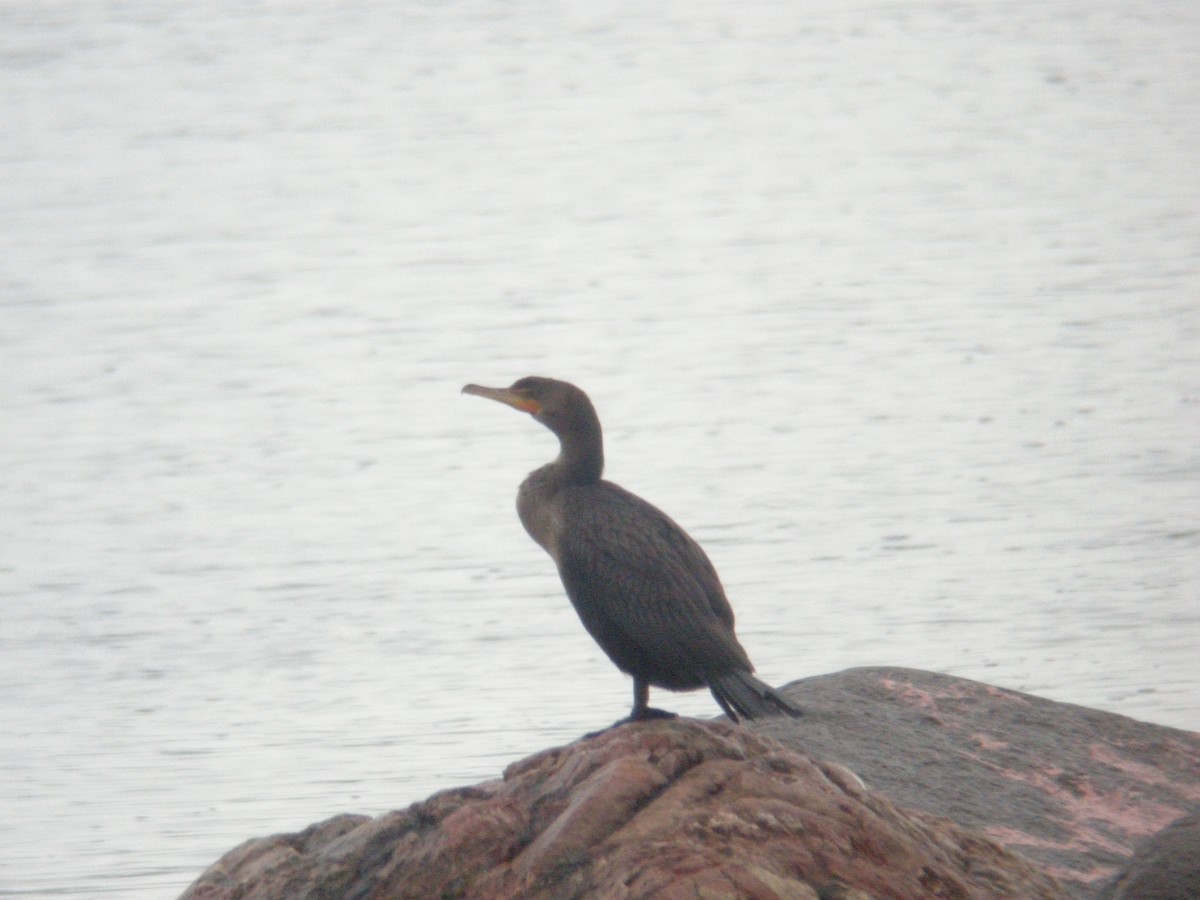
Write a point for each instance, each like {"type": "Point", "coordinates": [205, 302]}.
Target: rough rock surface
{"type": "Point", "coordinates": [1071, 788]}
{"type": "Point", "coordinates": [683, 808]}
{"type": "Point", "coordinates": [665, 809]}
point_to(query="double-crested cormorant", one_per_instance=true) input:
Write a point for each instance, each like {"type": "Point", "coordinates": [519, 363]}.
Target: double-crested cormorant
{"type": "Point", "coordinates": [644, 589]}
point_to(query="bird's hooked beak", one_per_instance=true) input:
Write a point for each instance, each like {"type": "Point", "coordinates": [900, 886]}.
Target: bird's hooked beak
{"type": "Point", "coordinates": [506, 396]}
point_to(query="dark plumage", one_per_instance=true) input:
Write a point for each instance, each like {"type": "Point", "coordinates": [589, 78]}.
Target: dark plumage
{"type": "Point", "coordinates": [643, 588]}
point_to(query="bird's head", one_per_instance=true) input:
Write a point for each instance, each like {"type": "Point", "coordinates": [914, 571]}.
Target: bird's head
{"type": "Point", "coordinates": [560, 406]}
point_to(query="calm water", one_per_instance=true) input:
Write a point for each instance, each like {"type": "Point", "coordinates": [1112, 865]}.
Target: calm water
{"type": "Point", "coordinates": [895, 305]}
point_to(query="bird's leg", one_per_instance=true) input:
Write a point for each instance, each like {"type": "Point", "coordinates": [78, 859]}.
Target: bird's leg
{"type": "Point", "coordinates": [641, 708]}
{"type": "Point", "coordinates": [641, 703]}
{"type": "Point", "coordinates": [641, 698]}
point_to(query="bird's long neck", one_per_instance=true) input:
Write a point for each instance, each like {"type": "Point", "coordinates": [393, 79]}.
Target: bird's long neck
{"type": "Point", "coordinates": [580, 462]}
{"type": "Point", "coordinates": [581, 455]}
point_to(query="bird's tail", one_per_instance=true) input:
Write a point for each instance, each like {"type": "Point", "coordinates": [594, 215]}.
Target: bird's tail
{"type": "Point", "coordinates": [743, 696]}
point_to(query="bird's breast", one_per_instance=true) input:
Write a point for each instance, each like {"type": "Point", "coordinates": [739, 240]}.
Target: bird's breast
{"type": "Point", "coordinates": [540, 514]}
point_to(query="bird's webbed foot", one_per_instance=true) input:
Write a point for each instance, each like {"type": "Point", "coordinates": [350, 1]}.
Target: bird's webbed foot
{"type": "Point", "coordinates": [648, 712]}
{"type": "Point", "coordinates": [645, 714]}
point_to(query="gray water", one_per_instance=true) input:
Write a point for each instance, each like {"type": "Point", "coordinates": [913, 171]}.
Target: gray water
{"type": "Point", "coordinates": [894, 305]}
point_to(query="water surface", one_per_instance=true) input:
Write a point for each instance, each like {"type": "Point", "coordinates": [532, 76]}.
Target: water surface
{"type": "Point", "coordinates": [892, 304]}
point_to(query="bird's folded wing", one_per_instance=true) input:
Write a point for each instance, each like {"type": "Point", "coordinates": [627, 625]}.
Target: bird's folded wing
{"type": "Point", "coordinates": [638, 580]}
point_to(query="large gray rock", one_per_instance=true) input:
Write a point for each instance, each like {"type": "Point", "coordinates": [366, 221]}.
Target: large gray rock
{"type": "Point", "coordinates": [1072, 788]}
